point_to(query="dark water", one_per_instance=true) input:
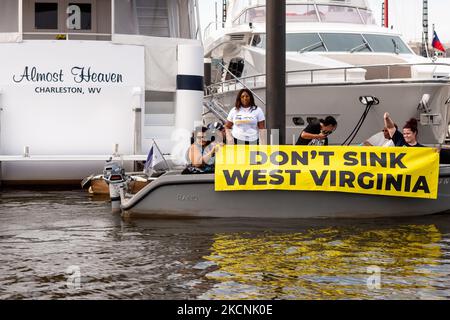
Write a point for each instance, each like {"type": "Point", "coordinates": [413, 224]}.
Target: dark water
{"type": "Point", "coordinates": [66, 245]}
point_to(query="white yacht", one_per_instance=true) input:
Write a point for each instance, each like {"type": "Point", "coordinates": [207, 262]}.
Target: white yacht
{"type": "Point", "coordinates": [81, 80]}
{"type": "Point", "coordinates": [336, 56]}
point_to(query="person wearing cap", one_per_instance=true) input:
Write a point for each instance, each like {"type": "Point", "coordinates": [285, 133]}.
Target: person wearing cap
{"type": "Point", "coordinates": [380, 139]}
{"type": "Point", "coordinates": [217, 131]}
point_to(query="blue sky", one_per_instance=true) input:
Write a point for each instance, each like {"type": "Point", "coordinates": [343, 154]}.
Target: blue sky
{"type": "Point", "coordinates": [404, 15]}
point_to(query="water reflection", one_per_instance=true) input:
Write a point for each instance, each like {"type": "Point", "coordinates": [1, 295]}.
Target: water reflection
{"type": "Point", "coordinates": [42, 233]}
{"type": "Point", "coordinates": [330, 263]}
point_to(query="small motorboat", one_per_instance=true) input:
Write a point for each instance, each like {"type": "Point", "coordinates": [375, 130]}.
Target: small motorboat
{"type": "Point", "coordinates": [176, 195]}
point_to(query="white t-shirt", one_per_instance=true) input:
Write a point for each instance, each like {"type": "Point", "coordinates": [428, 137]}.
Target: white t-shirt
{"type": "Point", "coordinates": [378, 140]}
{"type": "Point", "coordinates": [245, 122]}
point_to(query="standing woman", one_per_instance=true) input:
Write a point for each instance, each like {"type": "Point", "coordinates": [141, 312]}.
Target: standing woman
{"type": "Point", "coordinates": [245, 122]}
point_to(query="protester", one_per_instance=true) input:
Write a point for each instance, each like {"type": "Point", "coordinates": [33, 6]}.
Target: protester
{"type": "Point", "coordinates": [246, 121]}
{"type": "Point", "coordinates": [407, 138]}
{"type": "Point", "coordinates": [317, 132]}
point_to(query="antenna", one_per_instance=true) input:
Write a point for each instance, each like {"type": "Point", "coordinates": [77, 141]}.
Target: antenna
{"type": "Point", "coordinates": [215, 7]}
{"type": "Point", "coordinates": [425, 29]}
{"type": "Point", "coordinates": [224, 12]}
{"type": "Point", "coordinates": [386, 13]}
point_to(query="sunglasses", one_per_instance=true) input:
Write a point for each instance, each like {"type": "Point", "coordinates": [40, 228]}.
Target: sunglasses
{"type": "Point", "coordinates": [327, 132]}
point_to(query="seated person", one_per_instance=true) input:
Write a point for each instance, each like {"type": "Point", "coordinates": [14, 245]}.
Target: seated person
{"type": "Point", "coordinates": [380, 139]}
{"type": "Point", "coordinates": [409, 136]}
{"type": "Point", "coordinates": [201, 153]}
{"type": "Point", "coordinates": [317, 132]}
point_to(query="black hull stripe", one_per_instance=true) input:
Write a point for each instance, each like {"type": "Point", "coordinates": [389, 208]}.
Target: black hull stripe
{"type": "Point", "coordinates": [186, 82]}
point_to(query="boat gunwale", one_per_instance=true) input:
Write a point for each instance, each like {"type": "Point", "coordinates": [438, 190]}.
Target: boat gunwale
{"type": "Point", "coordinates": [444, 171]}
{"type": "Point", "coordinates": [340, 84]}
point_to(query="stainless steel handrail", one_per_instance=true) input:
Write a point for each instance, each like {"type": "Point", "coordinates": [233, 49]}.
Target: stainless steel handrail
{"type": "Point", "coordinates": [239, 81]}
{"type": "Point", "coordinates": [207, 31]}
{"type": "Point", "coordinates": [216, 109]}
{"type": "Point", "coordinates": [313, 71]}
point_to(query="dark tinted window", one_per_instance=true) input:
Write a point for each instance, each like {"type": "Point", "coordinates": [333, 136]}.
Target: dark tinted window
{"type": "Point", "coordinates": [385, 43]}
{"type": "Point", "coordinates": [344, 42]}
{"type": "Point", "coordinates": [304, 42]}
{"type": "Point", "coordinates": [45, 15]}
{"type": "Point", "coordinates": [259, 40]}
{"type": "Point", "coordinates": [86, 13]}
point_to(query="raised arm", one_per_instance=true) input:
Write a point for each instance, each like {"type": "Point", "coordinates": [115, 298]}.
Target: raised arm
{"type": "Point", "coordinates": [389, 124]}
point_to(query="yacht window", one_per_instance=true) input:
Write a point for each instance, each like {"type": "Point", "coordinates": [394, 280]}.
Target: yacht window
{"type": "Point", "coordinates": [301, 13]}
{"type": "Point", "coordinates": [242, 18]}
{"type": "Point", "coordinates": [256, 15]}
{"type": "Point", "coordinates": [304, 42]}
{"type": "Point", "coordinates": [344, 42]}
{"type": "Point", "coordinates": [259, 41]}
{"type": "Point", "coordinates": [45, 15]}
{"type": "Point", "coordinates": [339, 14]}
{"type": "Point", "coordinates": [256, 40]}
{"type": "Point", "coordinates": [236, 67]}
{"type": "Point", "coordinates": [386, 43]}
{"type": "Point", "coordinates": [367, 16]}
{"type": "Point", "coordinates": [86, 12]}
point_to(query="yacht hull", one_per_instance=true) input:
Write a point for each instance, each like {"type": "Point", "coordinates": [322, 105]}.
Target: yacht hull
{"type": "Point", "coordinates": [193, 196]}
{"type": "Point", "coordinates": [400, 98]}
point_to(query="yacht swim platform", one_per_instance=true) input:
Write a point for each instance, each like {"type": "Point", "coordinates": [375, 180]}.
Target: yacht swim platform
{"type": "Point", "coordinates": [61, 159]}
{"type": "Point", "coordinates": [22, 158]}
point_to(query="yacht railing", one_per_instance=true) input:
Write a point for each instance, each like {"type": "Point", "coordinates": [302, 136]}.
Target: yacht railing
{"type": "Point", "coordinates": [258, 80]}
{"type": "Point", "coordinates": [216, 108]}
{"type": "Point", "coordinates": [207, 31]}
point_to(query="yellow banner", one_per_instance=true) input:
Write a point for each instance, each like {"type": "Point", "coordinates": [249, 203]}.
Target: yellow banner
{"type": "Point", "coordinates": [390, 171]}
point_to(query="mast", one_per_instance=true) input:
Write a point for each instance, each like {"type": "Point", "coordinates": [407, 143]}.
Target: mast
{"type": "Point", "coordinates": [425, 29]}
{"type": "Point", "coordinates": [215, 8]}
{"type": "Point", "coordinates": [224, 12]}
{"type": "Point", "coordinates": [386, 13]}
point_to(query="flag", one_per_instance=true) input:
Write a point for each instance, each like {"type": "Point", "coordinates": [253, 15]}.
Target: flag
{"type": "Point", "coordinates": [149, 163]}
{"type": "Point", "coordinates": [155, 160]}
{"type": "Point", "coordinates": [437, 43]}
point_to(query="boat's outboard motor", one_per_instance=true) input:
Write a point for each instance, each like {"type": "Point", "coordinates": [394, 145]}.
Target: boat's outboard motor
{"type": "Point", "coordinates": [114, 175]}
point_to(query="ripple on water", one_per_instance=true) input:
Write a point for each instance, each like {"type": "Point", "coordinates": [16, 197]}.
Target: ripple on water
{"type": "Point", "coordinates": [47, 238]}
